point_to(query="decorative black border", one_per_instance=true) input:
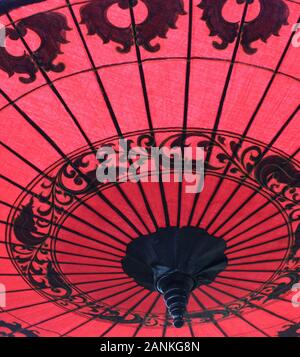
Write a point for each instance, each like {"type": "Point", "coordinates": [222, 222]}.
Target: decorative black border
{"type": "Point", "coordinates": [270, 291]}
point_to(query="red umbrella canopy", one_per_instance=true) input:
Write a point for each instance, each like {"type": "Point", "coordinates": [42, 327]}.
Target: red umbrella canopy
{"type": "Point", "coordinates": [84, 258]}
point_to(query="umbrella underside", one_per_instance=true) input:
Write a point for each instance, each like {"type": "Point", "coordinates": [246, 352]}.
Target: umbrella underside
{"type": "Point", "coordinates": [84, 258]}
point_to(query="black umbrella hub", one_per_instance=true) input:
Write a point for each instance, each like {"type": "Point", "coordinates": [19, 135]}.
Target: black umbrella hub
{"type": "Point", "coordinates": [175, 261]}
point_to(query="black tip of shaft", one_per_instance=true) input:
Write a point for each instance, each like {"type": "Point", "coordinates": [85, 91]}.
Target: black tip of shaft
{"type": "Point", "coordinates": [176, 300]}
{"type": "Point", "coordinates": [175, 288]}
{"type": "Point", "coordinates": [178, 322]}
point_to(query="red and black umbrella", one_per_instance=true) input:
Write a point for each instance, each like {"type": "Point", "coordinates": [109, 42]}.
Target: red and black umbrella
{"type": "Point", "coordinates": [84, 258]}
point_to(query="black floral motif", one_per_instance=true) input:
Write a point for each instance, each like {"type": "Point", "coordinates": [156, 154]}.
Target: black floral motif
{"type": "Point", "coordinates": [82, 184]}
{"type": "Point", "coordinates": [162, 15]}
{"type": "Point", "coordinates": [278, 168]}
{"type": "Point", "coordinates": [296, 247]}
{"type": "Point", "coordinates": [279, 287]}
{"type": "Point", "coordinates": [33, 257]}
{"type": "Point", "coordinates": [15, 330]}
{"type": "Point", "coordinates": [114, 315]}
{"type": "Point", "coordinates": [17, 64]}
{"type": "Point", "coordinates": [51, 27]}
{"type": "Point", "coordinates": [272, 16]}
{"type": "Point", "coordinates": [290, 331]}
{"type": "Point", "coordinates": [25, 229]}
{"type": "Point", "coordinates": [218, 26]}
{"type": "Point", "coordinates": [209, 315]}
{"type": "Point", "coordinates": [56, 282]}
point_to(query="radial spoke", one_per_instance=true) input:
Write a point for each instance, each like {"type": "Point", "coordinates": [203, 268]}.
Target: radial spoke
{"type": "Point", "coordinates": [35, 195]}
{"type": "Point", "coordinates": [81, 307]}
{"type": "Point", "coordinates": [64, 253]}
{"type": "Point", "coordinates": [81, 283]}
{"type": "Point", "coordinates": [64, 240]}
{"type": "Point", "coordinates": [99, 81]}
{"type": "Point", "coordinates": [253, 305]}
{"type": "Point", "coordinates": [76, 198]}
{"type": "Point", "coordinates": [186, 103]}
{"type": "Point", "coordinates": [234, 313]}
{"type": "Point", "coordinates": [249, 125]}
{"type": "Point", "coordinates": [64, 156]}
{"type": "Point", "coordinates": [261, 234]}
{"type": "Point", "coordinates": [147, 106]}
{"type": "Point", "coordinates": [113, 116]}
{"type": "Point", "coordinates": [251, 270]}
{"type": "Point", "coordinates": [213, 320]}
{"type": "Point", "coordinates": [96, 317]}
{"type": "Point", "coordinates": [273, 199]}
{"type": "Point", "coordinates": [132, 308]}
{"type": "Point", "coordinates": [222, 100]}
{"type": "Point", "coordinates": [257, 254]}
{"type": "Point", "coordinates": [48, 81]}
{"type": "Point", "coordinates": [73, 273]}
{"type": "Point", "coordinates": [257, 262]}
{"type": "Point", "coordinates": [257, 245]}
{"type": "Point", "coordinates": [253, 226]}
{"type": "Point", "coordinates": [191, 328]}
{"type": "Point", "coordinates": [250, 291]}
{"type": "Point", "coordinates": [62, 262]}
{"type": "Point", "coordinates": [236, 190]}
{"type": "Point", "coordinates": [165, 325]}
{"type": "Point", "coordinates": [50, 301]}
{"type": "Point", "coordinates": [152, 306]}
{"type": "Point", "coordinates": [69, 242]}
{"type": "Point", "coordinates": [230, 277]}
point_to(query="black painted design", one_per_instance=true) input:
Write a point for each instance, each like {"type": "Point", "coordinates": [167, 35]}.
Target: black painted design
{"type": "Point", "coordinates": [35, 262]}
{"type": "Point", "coordinates": [218, 26]}
{"type": "Point", "coordinates": [116, 316]}
{"type": "Point", "coordinates": [34, 256]}
{"type": "Point", "coordinates": [15, 329]}
{"type": "Point", "coordinates": [281, 176]}
{"type": "Point", "coordinates": [93, 15]}
{"type": "Point", "coordinates": [33, 249]}
{"type": "Point", "coordinates": [70, 181]}
{"type": "Point", "coordinates": [296, 248]}
{"type": "Point", "coordinates": [25, 228]}
{"type": "Point", "coordinates": [162, 15]}
{"type": "Point", "coordinates": [285, 280]}
{"type": "Point", "coordinates": [56, 282]}
{"type": "Point", "coordinates": [278, 168]}
{"type": "Point", "coordinates": [272, 16]}
{"type": "Point", "coordinates": [51, 28]}
{"type": "Point", "coordinates": [17, 64]}
{"type": "Point", "coordinates": [279, 287]}
{"type": "Point", "coordinates": [290, 331]}
{"type": "Point", "coordinates": [209, 315]}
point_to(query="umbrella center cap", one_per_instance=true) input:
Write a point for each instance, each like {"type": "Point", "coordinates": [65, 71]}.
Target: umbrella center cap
{"type": "Point", "coordinates": [175, 261]}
